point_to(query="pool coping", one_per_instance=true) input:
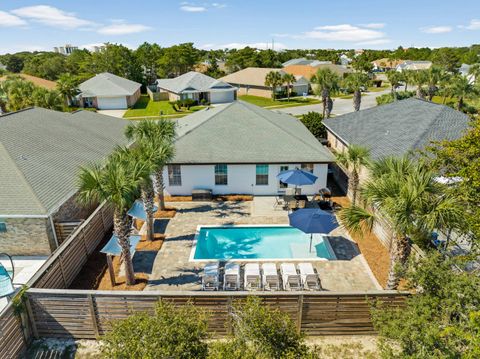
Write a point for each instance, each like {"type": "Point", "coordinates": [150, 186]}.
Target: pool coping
{"type": "Point", "coordinates": [197, 233]}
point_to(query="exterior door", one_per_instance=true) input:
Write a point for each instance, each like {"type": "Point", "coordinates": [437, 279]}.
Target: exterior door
{"type": "Point", "coordinates": [282, 185]}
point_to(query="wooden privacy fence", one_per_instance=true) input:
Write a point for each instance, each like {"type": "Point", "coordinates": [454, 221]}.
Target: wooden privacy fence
{"type": "Point", "coordinates": [66, 262]}
{"type": "Point", "coordinates": [86, 314]}
{"type": "Point", "coordinates": [13, 339]}
{"type": "Point", "coordinates": [65, 229]}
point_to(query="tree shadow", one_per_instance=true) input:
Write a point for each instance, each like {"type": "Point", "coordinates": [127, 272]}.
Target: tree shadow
{"type": "Point", "coordinates": [344, 248]}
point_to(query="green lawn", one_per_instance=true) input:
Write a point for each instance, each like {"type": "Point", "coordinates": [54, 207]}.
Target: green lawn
{"type": "Point", "coordinates": [268, 102]}
{"type": "Point", "coordinates": [146, 108]}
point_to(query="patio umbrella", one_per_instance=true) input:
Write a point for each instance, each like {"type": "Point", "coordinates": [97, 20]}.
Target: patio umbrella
{"type": "Point", "coordinates": [138, 210]}
{"type": "Point", "coordinates": [297, 177]}
{"type": "Point", "coordinates": [313, 220]}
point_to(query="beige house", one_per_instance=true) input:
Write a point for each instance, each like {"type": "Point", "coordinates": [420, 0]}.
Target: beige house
{"type": "Point", "coordinates": [251, 81]}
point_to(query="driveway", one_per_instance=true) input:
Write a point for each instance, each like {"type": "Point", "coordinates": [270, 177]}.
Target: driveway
{"type": "Point", "coordinates": [112, 113]}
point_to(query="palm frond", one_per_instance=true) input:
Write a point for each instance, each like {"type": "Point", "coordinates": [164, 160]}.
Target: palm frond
{"type": "Point", "coordinates": [356, 219]}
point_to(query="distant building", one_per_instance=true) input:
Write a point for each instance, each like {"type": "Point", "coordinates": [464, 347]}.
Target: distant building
{"type": "Point", "coordinates": [65, 50]}
{"type": "Point", "coordinates": [98, 48]}
{"type": "Point", "coordinates": [464, 70]}
{"type": "Point", "coordinates": [344, 60]}
{"type": "Point", "coordinates": [304, 61]}
{"type": "Point", "coordinates": [414, 65]}
{"type": "Point", "coordinates": [386, 64]}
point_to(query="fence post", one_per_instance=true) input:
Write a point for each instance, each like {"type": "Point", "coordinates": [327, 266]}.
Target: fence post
{"type": "Point", "coordinates": [229, 315]}
{"type": "Point", "coordinates": [60, 261]}
{"type": "Point", "coordinates": [93, 315]}
{"type": "Point", "coordinates": [300, 313]}
{"type": "Point", "coordinates": [31, 317]}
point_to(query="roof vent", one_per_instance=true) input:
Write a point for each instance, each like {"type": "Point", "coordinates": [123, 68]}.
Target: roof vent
{"type": "Point", "coordinates": [23, 157]}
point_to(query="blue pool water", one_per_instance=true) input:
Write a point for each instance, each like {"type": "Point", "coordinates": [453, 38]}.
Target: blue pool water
{"type": "Point", "coordinates": [224, 243]}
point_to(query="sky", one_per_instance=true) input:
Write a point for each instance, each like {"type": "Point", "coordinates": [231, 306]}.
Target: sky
{"type": "Point", "coordinates": [340, 24]}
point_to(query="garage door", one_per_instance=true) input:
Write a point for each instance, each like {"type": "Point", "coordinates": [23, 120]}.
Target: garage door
{"type": "Point", "coordinates": [221, 97]}
{"type": "Point", "coordinates": [112, 103]}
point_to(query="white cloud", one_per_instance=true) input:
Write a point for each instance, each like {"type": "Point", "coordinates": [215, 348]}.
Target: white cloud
{"type": "Point", "coordinates": [120, 28]}
{"type": "Point", "coordinates": [344, 32]}
{"type": "Point", "coordinates": [241, 45]}
{"type": "Point", "coordinates": [218, 5]}
{"type": "Point", "coordinates": [473, 25]}
{"type": "Point", "coordinates": [192, 8]}
{"type": "Point", "coordinates": [52, 16]}
{"type": "Point", "coordinates": [375, 25]}
{"type": "Point", "coordinates": [7, 20]}
{"type": "Point", "coordinates": [436, 29]}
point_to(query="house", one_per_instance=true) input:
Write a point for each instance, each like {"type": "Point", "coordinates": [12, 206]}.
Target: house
{"type": "Point", "coordinates": [304, 61]}
{"type": "Point", "coordinates": [251, 81]}
{"type": "Point", "coordinates": [386, 64]}
{"type": "Point", "coordinates": [240, 148]}
{"type": "Point", "coordinates": [40, 154]}
{"type": "Point", "coordinates": [196, 86]}
{"type": "Point", "coordinates": [414, 65]}
{"type": "Point", "coordinates": [344, 60]}
{"type": "Point", "coordinates": [396, 129]}
{"type": "Point", "coordinates": [107, 91]}
{"type": "Point", "coordinates": [307, 71]}
{"type": "Point", "coordinates": [464, 70]}
{"type": "Point", "coordinates": [37, 81]}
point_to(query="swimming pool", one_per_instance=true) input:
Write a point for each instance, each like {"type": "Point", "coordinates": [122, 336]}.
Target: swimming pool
{"type": "Point", "coordinates": [258, 243]}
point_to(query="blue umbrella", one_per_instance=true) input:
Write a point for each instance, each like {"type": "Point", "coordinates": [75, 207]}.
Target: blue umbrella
{"type": "Point", "coordinates": [138, 210]}
{"type": "Point", "coordinates": [313, 220]}
{"type": "Point", "coordinates": [297, 177]}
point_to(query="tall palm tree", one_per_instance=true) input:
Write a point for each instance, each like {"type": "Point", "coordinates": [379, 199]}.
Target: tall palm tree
{"type": "Point", "coordinates": [420, 79]}
{"type": "Point", "coordinates": [407, 77]}
{"type": "Point", "coordinates": [289, 80]}
{"type": "Point", "coordinates": [405, 194]}
{"type": "Point", "coordinates": [273, 79]}
{"type": "Point", "coordinates": [434, 76]}
{"type": "Point", "coordinates": [353, 159]}
{"type": "Point", "coordinates": [327, 83]}
{"type": "Point", "coordinates": [394, 77]}
{"type": "Point", "coordinates": [117, 183]}
{"type": "Point", "coordinates": [355, 82]}
{"type": "Point", "coordinates": [67, 86]}
{"type": "Point", "coordinates": [160, 135]}
{"type": "Point", "coordinates": [461, 88]}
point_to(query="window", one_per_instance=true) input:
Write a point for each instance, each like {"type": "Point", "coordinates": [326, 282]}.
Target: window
{"type": "Point", "coordinates": [281, 184]}
{"type": "Point", "coordinates": [262, 175]}
{"type": "Point", "coordinates": [308, 167]}
{"type": "Point", "coordinates": [221, 175]}
{"type": "Point", "coordinates": [174, 175]}
{"type": "Point", "coordinates": [3, 227]}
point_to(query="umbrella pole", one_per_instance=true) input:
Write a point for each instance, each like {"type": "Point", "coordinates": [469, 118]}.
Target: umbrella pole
{"type": "Point", "coordinates": [311, 238]}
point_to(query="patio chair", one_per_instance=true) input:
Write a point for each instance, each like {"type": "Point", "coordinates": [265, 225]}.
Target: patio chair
{"type": "Point", "coordinates": [292, 205]}
{"type": "Point", "coordinates": [210, 276]}
{"type": "Point", "coordinates": [231, 277]}
{"type": "Point", "coordinates": [310, 279]}
{"type": "Point", "coordinates": [301, 204]}
{"type": "Point", "coordinates": [279, 202]}
{"type": "Point", "coordinates": [270, 279]}
{"type": "Point", "coordinates": [252, 277]}
{"type": "Point", "coordinates": [290, 277]}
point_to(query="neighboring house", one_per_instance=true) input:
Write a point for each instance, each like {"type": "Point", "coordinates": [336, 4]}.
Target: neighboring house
{"type": "Point", "coordinates": [40, 155]}
{"type": "Point", "coordinates": [240, 148]}
{"type": "Point", "coordinates": [304, 61]}
{"type": "Point", "coordinates": [397, 128]}
{"type": "Point", "coordinates": [2, 66]}
{"type": "Point", "coordinates": [196, 86]}
{"type": "Point", "coordinates": [251, 81]}
{"type": "Point", "coordinates": [345, 60]}
{"type": "Point", "coordinates": [414, 65]}
{"type": "Point", "coordinates": [106, 91]}
{"type": "Point", "coordinates": [307, 71]}
{"type": "Point", "coordinates": [386, 64]}
{"type": "Point", "coordinates": [464, 71]}
{"type": "Point", "coordinates": [37, 81]}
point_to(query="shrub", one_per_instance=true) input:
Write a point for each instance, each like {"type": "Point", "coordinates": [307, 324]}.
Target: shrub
{"type": "Point", "coordinates": [388, 98]}
{"type": "Point", "coordinates": [170, 332]}
{"type": "Point", "coordinates": [313, 121]}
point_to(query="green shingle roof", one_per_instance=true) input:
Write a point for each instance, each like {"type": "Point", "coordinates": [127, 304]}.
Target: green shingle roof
{"type": "Point", "coordinates": [41, 152]}
{"type": "Point", "coordinates": [397, 128]}
{"type": "Point", "coordinates": [244, 133]}
{"type": "Point", "coordinates": [108, 85]}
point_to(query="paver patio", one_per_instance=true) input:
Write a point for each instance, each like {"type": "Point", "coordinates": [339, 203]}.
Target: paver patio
{"type": "Point", "coordinates": [172, 269]}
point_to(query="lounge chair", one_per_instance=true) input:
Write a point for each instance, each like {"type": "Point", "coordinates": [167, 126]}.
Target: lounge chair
{"type": "Point", "coordinates": [270, 277]}
{"type": "Point", "coordinates": [290, 277]}
{"type": "Point", "coordinates": [310, 279]}
{"type": "Point", "coordinates": [252, 277]}
{"type": "Point", "coordinates": [210, 276]}
{"type": "Point", "coordinates": [231, 277]}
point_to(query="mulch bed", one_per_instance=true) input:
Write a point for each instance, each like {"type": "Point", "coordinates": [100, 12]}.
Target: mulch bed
{"type": "Point", "coordinates": [227, 197]}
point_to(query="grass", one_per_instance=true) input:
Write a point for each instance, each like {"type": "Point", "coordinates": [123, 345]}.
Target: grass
{"type": "Point", "coordinates": [147, 108]}
{"type": "Point", "coordinates": [268, 102]}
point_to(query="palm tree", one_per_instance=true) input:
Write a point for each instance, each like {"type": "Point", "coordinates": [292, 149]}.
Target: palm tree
{"type": "Point", "coordinates": [420, 78]}
{"type": "Point", "coordinates": [288, 79]}
{"type": "Point", "coordinates": [434, 76]}
{"type": "Point", "coordinates": [273, 79]}
{"type": "Point", "coordinates": [353, 159]}
{"type": "Point", "coordinates": [117, 183]}
{"type": "Point", "coordinates": [407, 77]}
{"type": "Point", "coordinates": [355, 82]}
{"type": "Point", "coordinates": [461, 88]}
{"type": "Point", "coordinates": [394, 77]}
{"type": "Point", "coordinates": [327, 83]}
{"type": "Point", "coordinates": [405, 194]}
{"type": "Point", "coordinates": [474, 71]}
{"type": "Point", "coordinates": [160, 135]}
{"type": "Point", "coordinates": [67, 86]}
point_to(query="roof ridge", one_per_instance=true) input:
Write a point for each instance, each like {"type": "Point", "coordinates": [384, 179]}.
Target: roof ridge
{"type": "Point", "coordinates": [18, 111]}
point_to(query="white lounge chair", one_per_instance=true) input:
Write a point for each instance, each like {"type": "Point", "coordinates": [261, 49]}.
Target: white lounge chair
{"type": "Point", "coordinates": [210, 276]}
{"type": "Point", "coordinates": [231, 277]}
{"type": "Point", "coordinates": [310, 279]}
{"type": "Point", "coordinates": [252, 276]}
{"type": "Point", "coordinates": [270, 277]}
{"type": "Point", "coordinates": [290, 277]}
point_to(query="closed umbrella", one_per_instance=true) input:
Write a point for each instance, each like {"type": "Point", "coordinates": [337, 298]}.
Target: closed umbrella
{"type": "Point", "coordinates": [297, 177]}
{"type": "Point", "coordinates": [313, 220]}
{"type": "Point", "coordinates": [138, 210]}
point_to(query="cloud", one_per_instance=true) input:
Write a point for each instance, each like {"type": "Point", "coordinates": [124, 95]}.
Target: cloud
{"type": "Point", "coordinates": [473, 25]}
{"type": "Point", "coordinates": [436, 29]}
{"type": "Point", "coordinates": [192, 8]}
{"type": "Point", "coordinates": [345, 33]}
{"type": "Point", "coordinates": [52, 16]}
{"type": "Point", "coordinates": [121, 28]}
{"type": "Point", "coordinates": [375, 25]}
{"type": "Point", "coordinates": [241, 45]}
{"type": "Point", "coordinates": [8, 20]}
{"type": "Point", "coordinates": [218, 5]}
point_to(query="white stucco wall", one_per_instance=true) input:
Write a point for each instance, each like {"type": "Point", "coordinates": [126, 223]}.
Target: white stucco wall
{"type": "Point", "coordinates": [241, 179]}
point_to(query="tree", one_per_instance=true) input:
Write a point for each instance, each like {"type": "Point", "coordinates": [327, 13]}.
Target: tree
{"type": "Point", "coordinates": [313, 121]}
{"type": "Point", "coordinates": [420, 79]}
{"type": "Point", "coordinates": [327, 83]}
{"type": "Point", "coordinates": [394, 77]}
{"type": "Point", "coordinates": [118, 60]}
{"type": "Point", "coordinates": [160, 135]}
{"type": "Point", "coordinates": [118, 184]}
{"type": "Point", "coordinates": [47, 99]}
{"type": "Point", "coordinates": [147, 56]}
{"type": "Point", "coordinates": [441, 320]}
{"type": "Point", "coordinates": [354, 158]}
{"type": "Point", "coordinates": [169, 332]}
{"type": "Point", "coordinates": [474, 71]}
{"type": "Point", "coordinates": [356, 82]}
{"type": "Point", "coordinates": [461, 88]}
{"type": "Point", "coordinates": [48, 65]}
{"type": "Point", "coordinates": [433, 78]}
{"type": "Point", "coordinates": [288, 79]}
{"type": "Point", "coordinates": [13, 63]}
{"type": "Point", "coordinates": [447, 58]}
{"type": "Point", "coordinates": [273, 79]}
{"type": "Point", "coordinates": [408, 77]}
{"type": "Point", "coordinates": [362, 64]}
{"type": "Point", "coordinates": [405, 193]}
{"type": "Point", "coordinates": [177, 60]}
{"type": "Point", "coordinates": [67, 86]}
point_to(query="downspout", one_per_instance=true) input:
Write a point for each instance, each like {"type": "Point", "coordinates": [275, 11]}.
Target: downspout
{"type": "Point", "coordinates": [53, 230]}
